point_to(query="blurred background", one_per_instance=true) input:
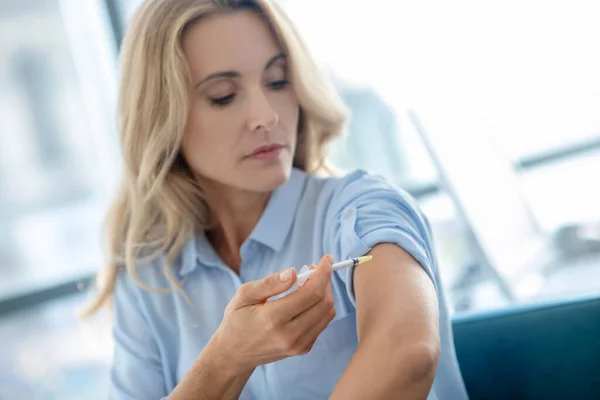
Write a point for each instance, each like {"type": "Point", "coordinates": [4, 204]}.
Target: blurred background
{"type": "Point", "coordinates": [488, 113]}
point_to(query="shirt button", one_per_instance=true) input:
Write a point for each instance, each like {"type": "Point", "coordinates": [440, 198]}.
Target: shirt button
{"type": "Point", "coordinates": [348, 213]}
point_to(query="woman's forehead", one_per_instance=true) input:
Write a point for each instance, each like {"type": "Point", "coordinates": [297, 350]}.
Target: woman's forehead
{"type": "Point", "coordinates": [240, 41]}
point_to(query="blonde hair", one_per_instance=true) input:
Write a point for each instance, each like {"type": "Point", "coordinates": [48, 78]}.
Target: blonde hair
{"type": "Point", "coordinates": [159, 203]}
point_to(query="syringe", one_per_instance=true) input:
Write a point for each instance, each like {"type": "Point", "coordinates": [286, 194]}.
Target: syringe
{"type": "Point", "coordinates": [306, 273]}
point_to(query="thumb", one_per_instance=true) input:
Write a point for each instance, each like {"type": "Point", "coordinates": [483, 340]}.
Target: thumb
{"type": "Point", "coordinates": [259, 291]}
{"type": "Point", "coordinates": [325, 264]}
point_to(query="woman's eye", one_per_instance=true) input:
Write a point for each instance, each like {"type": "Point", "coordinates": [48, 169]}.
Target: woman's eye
{"type": "Point", "coordinates": [278, 85]}
{"type": "Point", "coordinates": [222, 101]}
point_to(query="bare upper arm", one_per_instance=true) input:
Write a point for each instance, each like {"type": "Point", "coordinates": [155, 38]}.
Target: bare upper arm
{"type": "Point", "coordinates": [395, 298]}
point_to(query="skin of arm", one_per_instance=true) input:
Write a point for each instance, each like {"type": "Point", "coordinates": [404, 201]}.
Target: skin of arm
{"type": "Point", "coordinates": [211, 378]}
{"type": "Point", "coordinates": [398, 329]}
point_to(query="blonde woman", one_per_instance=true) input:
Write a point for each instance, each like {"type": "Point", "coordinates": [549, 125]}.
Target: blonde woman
{"type": "Point", "coordinates": [224, 122]}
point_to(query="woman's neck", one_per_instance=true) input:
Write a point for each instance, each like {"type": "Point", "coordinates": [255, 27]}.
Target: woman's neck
{"type": "Point", "coordinates": [236, 213]}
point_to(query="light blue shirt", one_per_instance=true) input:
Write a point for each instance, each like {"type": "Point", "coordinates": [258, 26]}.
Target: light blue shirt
{"type": "Point", "coordinates": [158, 335]}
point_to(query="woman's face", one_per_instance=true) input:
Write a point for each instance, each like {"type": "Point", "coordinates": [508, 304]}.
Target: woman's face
{"type": "Point", "coordinates": [243, 118]}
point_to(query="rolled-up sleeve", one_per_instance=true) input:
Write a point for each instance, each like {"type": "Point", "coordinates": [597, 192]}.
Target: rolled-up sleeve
{"type": "Point", "coordinates": [136, 371]}
{"type": "Point", "coordinates": [365, 211]}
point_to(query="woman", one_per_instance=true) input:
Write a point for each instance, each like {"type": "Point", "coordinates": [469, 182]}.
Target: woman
{"type": "Point", "coordinates": [224, 121]}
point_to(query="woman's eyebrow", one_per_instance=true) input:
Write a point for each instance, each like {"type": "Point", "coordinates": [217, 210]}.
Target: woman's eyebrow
{"type": "Point", "coordinates": [220, 74]}
{"type": "Point", "coordinates": [235, 74]}
{"type": "Point", "coordinates": [273, 59]}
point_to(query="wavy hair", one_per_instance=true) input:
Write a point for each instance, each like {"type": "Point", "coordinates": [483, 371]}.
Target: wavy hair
{"type": "Point", "coordinates": [159, 203]}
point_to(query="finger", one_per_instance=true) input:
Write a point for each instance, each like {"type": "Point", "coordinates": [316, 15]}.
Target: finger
{"type": "Point", "coordinates": [304, 321]}
{"type": "Point", "coordinates": [323, 272]}
{"type": "Point", "coordinates": [259, 291]}
{"type": "Point", "coordinates": [310, 335]}
{"type": "Point", "coordinates": [302, 299]}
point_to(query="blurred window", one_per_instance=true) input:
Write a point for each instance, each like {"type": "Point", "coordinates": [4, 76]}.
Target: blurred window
{"type": "Point", "coordinates": [57, 139]}
{"type": "Point", "coordinates": [528, 68]}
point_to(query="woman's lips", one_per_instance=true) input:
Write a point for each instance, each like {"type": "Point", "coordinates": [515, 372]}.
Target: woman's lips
{"type": "Point", "coordinates": [267, 153]}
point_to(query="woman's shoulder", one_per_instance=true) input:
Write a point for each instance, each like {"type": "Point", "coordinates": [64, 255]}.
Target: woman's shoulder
{"type": "Point", "coordinates": [145, 273]}
{"type": "Point", "coordinates": [360, 193]}
{"type": "Point", "coordinates": [149, 270]}
{"type": "Point", "coordinates": [354, 185]}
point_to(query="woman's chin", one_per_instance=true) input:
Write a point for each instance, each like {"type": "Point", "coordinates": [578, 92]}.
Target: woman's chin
{"type": "Point", "coordinates": [267, 178]}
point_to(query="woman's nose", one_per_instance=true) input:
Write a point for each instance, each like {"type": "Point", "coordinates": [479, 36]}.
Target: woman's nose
{"type": "Point", "coordinates": [261, 114]}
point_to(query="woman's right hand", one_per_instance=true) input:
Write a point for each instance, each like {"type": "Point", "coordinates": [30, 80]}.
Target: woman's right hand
{"type": "Point", "coordinates": [255, 331]}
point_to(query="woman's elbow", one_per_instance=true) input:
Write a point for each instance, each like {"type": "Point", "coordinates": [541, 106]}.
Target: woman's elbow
{"type": "Point", "coordinates": [419, 360]}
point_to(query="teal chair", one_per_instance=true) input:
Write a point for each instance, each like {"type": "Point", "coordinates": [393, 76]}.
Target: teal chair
{"type": "Point", "coordinates": [546, 351]}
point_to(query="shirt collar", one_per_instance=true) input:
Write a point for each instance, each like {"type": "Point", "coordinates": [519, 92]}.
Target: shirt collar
{"type": "Point", "coordinates": [272, 229]}
{"type": "Point", "coordinates": [276, 221]}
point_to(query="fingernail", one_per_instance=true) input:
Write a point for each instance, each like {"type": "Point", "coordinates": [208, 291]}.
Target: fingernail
{"type": "Point", "coordinates": [330, 259]}
{"type": "Point", "coordinates": [285, 275]}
